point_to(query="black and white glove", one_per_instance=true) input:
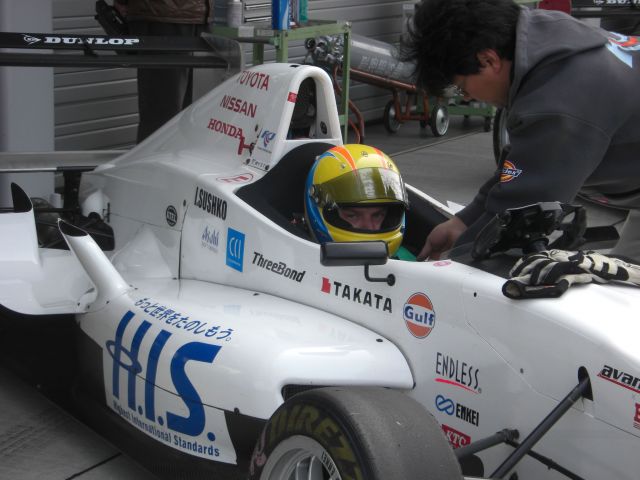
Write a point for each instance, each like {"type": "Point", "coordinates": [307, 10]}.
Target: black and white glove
{"type": "Point", "coordinates": [550, 273]}
{"type": "Point", "coordinates": [608, 268]}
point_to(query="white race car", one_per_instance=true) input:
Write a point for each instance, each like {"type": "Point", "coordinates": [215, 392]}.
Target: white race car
{"type": "Point", "coordinates": [213, 328]}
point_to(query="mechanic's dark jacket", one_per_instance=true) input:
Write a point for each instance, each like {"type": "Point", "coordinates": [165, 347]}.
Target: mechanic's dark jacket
{"type": "Point", "coordinates": [573, 118]}
{"type": "Point", "coordinates": [170, 11]}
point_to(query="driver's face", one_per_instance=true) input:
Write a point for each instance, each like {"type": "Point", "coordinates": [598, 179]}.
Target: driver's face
{"type": "Point", "coordinates": [363, 218]}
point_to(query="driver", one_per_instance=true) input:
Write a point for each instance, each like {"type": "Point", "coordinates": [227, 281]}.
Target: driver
{"type": "Point", "coordinates": [355, 193]}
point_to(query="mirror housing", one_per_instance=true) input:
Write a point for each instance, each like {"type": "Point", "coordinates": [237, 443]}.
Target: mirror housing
{"type": "Point", "coordinates": [349, 254]}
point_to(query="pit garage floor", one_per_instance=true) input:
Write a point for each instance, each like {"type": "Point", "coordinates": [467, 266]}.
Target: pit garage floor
{"type": "Point", "coordinates": [41, 440]}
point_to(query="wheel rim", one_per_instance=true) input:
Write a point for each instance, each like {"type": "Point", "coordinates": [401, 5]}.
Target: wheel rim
{"type": "Point", "coordinates": [503, 136]}
{"type": "Point", "coordinates": [392, 124]}
{"type": "Point", "coordinates": [440, 120]}
{"type": "Point", "coordinates": [300, 458]}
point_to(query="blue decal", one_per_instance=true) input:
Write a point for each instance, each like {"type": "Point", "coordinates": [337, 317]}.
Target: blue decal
{"type": "Point", "coordinates": [445, 405]}
{"type": "Point", "coordinates": [135, 348]}
{"type": "Point", "coordinates": [462, 412]}
{"type": "Point", "coordinates": [200, 352]}
{"type": "Point", "coordinates": [235, 249]}
{"type": "Point", "coordinates": [266, 137]}
{"type": "Point", "coordinates": [183, 322]}
{"type": "Point", "coordinates": [127, 360]}
{"type": "Point", "coordinates": [114, 347]}
{"type": "Point", "coordinates": [152, 369]}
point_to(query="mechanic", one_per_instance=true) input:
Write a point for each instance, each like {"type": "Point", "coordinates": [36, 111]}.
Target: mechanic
{"type": "Point", "coordinates": [164, 92]}
{"type": "Point", "coordinates": [355, 193]}
{"type": "Point", "coordinates": [571, 91]}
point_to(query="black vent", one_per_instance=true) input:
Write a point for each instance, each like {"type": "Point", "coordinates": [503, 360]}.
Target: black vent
{"type": "Point", "coordinates": [289, 391]}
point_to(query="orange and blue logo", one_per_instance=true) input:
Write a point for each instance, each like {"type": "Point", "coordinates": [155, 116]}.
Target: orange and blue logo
{"type": "Point", "coordinates": [509, 171]}
{"type": "Point", "coordinates": [624, 42]}
{"type": "Point", "coordinates": [621, 45]}
{"type": "Point", "coordinates": [419, 315]}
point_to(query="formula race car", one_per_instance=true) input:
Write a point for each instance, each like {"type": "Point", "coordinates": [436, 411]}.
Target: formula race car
{"type": "Point", "coordinates": [211, 327]}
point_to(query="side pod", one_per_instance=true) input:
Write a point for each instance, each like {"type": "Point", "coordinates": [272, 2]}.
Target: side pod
{"type": "Point", "coordinates": [108, 282]}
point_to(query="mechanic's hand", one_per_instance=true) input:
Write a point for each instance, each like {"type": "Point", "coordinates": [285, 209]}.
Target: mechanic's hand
{"type": "Point", "coordinates": [441, 239]}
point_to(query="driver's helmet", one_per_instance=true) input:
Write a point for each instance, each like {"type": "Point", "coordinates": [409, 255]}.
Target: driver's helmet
{"type": "Point", "coordinates": [354, 176]}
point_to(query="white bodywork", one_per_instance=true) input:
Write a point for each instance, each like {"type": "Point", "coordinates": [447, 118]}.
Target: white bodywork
{"type": "Point", "coordinates": [214, 307]}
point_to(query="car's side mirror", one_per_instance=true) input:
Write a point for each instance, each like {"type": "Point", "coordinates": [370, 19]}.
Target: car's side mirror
{"type": "Point", "coordinates": [349, 254]}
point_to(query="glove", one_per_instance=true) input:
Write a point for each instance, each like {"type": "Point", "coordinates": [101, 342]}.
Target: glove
{"type": "Point", "coordinates": [608, 268]}
{"type": "Point", "coordinates": [550, 273]}
{"type": "Point", "coordinates": [539, 275]}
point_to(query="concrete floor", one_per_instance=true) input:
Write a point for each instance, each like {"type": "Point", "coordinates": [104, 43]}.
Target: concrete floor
{"type": "Point", "coordinates": [39, 440]}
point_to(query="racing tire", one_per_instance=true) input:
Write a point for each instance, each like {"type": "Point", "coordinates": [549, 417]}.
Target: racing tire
{"type": "Point", "coordinates": [439, 120]}
{"type": "Point", "coordinates": [352, 433]}
{"type": "Point", "coordinates": [500, 135]}
{"type": "Point", "coordinates": [391, 125]}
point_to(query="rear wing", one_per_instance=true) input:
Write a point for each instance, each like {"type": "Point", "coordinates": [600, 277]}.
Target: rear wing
{"type": "Point", "coordinates": [69, 165]}
{"type": "Point", "coordinates": [215, 52]}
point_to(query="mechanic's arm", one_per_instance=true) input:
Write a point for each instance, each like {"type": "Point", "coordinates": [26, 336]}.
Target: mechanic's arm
{"type": "Point", "coordinates": [551, 157]}
{"type": "Point", "coordinates": [445, 235]}
{"type": "Point", "coordinates": [441, 239]}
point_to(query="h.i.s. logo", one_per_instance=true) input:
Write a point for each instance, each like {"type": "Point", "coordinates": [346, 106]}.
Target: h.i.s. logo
{"type": "Point", "coordinates": [148, 383]}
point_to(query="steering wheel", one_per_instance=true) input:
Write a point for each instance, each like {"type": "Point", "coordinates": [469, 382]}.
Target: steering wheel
{"type": "Point", "coordinates": [529, 227]}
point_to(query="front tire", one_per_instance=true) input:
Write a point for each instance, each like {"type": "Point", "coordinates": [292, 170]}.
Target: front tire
{"type": "Point", "coordinates": [352, 433]}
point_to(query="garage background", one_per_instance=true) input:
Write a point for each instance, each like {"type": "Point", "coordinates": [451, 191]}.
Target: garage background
{"type": "Point", "coordinates": [97, 108]}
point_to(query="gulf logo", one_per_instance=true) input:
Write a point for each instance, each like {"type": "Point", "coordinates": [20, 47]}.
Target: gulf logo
{"type": "Point", "coordinates": [509, 171]}
{"type": "Point", "coordinates": [419, 315]}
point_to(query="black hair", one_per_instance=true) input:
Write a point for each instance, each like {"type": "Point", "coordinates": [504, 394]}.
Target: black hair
{"type": "Point", "coordinates": [446, 36]}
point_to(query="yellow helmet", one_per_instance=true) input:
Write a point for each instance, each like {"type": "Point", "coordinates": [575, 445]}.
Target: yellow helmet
{"type": "Point", "coordinates": [354, 176]}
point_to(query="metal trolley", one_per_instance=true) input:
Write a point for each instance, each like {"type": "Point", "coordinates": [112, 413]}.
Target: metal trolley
{"type": "Point", "coordinates": [376, 63]}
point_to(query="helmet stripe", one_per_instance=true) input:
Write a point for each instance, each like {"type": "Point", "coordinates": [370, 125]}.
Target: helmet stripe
{"type": "Point", "coordinates": [346, 155]}
{"type": "Point", "coordinates": [381, 157]}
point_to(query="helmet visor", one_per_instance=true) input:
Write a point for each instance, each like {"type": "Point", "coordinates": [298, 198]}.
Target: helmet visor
{"type": "Point", "coordinates": [363, 185]}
